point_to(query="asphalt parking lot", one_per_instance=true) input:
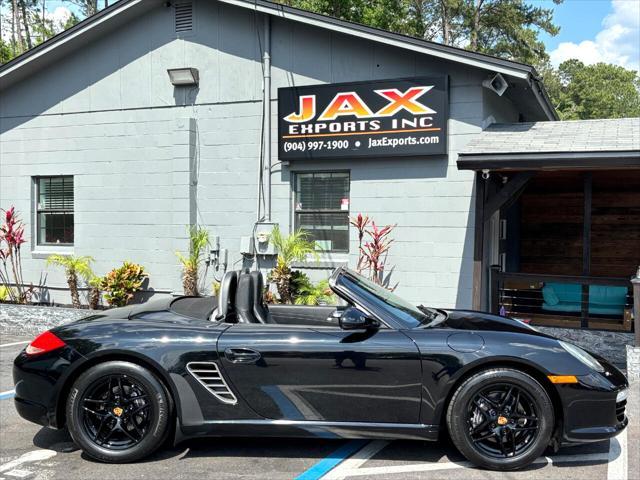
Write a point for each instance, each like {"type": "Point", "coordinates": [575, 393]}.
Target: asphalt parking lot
{"type": "Point", "coordinates": [32, 452]}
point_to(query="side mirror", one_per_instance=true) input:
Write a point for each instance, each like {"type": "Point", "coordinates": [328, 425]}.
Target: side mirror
{"type": "Point", "coordinates": [354, 319]}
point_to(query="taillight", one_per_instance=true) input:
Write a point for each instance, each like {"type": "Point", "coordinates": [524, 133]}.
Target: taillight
{"type": "Point", "coordinates": [43, 343]}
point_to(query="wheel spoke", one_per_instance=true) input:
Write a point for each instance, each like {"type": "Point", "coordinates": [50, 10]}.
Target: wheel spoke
{"type": "Point", "coordinates": [488, 401]}
{"type": "Point", "coordinates": [513, 441]}
{"type": "Point", "coordinates": [501, 443]}
{"type": "Point", "coordinates": [481, 427]}
{"type": "Point", "coordinates": [506, 398]}
{"type": "Point", "coordinates": [484, 437]}
{"type": "Point", "coordinates": [110, 396]}
{"type": "Point", "coordinates": [97, 414]}
{"type": "Point", "coordinates": [139, 409]}
{"type": "Point", "coordinates": [524, 417]}
{"type": "Point", "coordinates": [525, 429]}
{"type": "Point", "coordinates": [514, 405]}
{"type": "Point", "coordinates": [108, 436]}
{"type": "Point", "coordinates": [124, 430]}
{"type": "Point", "coordinates": [132, 421]}
{"type": "Point", "coordinates": [97, 437]}
{"type": "Point", "coordinates": [133, 399]}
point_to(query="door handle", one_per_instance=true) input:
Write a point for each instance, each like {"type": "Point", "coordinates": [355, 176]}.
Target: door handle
{"type": "Point", "coordinates": [242, 355]}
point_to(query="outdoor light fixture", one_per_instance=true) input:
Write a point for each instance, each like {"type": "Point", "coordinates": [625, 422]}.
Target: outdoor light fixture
{"type": "Point", "coordinates": [183, 77]}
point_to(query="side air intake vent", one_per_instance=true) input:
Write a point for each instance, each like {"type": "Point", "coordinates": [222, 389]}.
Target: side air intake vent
{"type": "Point", "coordinates": [209, 376]}
{"type": "Point", "coordinates": [184, 17]}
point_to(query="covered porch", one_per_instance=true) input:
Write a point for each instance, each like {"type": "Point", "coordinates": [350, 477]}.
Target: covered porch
{"type": "Point", "coordinates": [557, 231]}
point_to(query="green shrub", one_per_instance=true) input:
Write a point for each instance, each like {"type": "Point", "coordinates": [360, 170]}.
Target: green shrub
{"type": "Point", "coordinates": [4, 293]}
{"type": "Point", "coordinates": [121, 283]}
{"type": "Point", "coordinates": [304, 292]}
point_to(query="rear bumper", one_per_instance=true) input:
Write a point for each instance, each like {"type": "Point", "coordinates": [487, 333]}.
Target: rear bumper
{"type": "Point", "coordinates": [38, 383]}
{"type": "Point", "coordinates": [33, 412]}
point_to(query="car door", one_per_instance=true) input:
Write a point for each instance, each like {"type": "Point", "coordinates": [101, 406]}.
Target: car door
{"type": "Point", "coordinates": [323, 373]}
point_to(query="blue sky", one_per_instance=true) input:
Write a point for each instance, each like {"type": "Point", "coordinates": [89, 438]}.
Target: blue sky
{"type": "Point", "coordinates": [596, 31]}
{"type": "Point", "coordinates": [578, 19]}
{"type": "Point", "coordinates": [591, 30]}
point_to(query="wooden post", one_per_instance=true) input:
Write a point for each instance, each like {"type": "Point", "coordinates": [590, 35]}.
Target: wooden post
{"type": "Point", "coordinates": [636, 306]}
{"type": "Point", "coordinates": [494, 285]}
{"type": "Point", "coordinates": [586, 247]}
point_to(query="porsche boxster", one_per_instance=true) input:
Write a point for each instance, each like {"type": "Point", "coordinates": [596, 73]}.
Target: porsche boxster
{"type": "Point", "coordinates": [129, 379]}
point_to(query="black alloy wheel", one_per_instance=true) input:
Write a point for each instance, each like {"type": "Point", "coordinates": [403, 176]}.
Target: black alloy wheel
{"type": "Point", "coordinates": [501, 419]}
{"type": "Point", "coordinates": [118, 412]}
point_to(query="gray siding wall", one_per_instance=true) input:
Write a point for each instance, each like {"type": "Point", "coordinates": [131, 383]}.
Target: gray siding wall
{"type": "Point", "coordinates": [109, 116]}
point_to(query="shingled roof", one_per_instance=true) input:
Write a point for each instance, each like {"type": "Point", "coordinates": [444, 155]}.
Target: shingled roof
{"type": "Point", "coordinates": [605, 142]}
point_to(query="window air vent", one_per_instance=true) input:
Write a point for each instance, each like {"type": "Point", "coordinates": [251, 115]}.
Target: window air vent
{"type": "Point", "coordinates": [210, 377]}
{"type": "Point", "coordinates": [184, 17]}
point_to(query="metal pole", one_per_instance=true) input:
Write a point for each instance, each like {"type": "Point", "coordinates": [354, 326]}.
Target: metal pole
{"type": "Point", "coordinates": [636, 306]}
{"type": "Point", "coordinates": [267, 114]}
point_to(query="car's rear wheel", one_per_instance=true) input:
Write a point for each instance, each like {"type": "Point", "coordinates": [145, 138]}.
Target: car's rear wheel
{"type": "Point", "coordinates": [118, 412]}
{"type": "Point", "coordinates": [501, 419]}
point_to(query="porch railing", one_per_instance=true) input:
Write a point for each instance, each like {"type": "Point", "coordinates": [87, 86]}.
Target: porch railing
{"type": "Point", "coordinates": [602, 303]}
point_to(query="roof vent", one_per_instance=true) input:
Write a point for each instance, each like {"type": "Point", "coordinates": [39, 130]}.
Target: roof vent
{"type": "Point", "coordinates": [184, 17]}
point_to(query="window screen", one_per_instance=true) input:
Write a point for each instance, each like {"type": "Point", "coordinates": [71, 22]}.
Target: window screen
{"type": "Point", "coordinates": [54, 210]}
{"type": "Point", "coordinates": [322, 208]}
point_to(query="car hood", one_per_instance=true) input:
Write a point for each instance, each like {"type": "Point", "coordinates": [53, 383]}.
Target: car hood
{"type": "Point", "coordinates": [482, 321]}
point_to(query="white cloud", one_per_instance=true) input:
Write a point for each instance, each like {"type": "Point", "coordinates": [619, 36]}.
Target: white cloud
{"type": "Point", "coordinates": [618, 42]}
{"type": "Point", "coordinates": [59, 17]}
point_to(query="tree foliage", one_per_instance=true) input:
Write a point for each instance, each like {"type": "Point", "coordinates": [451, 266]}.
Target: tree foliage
{"type": "Point", "coordinates": [506, 28]}
{"type": "Point", "coordinates": [580, 91]}
{"type": "Point", "coordinates": [25, 24]}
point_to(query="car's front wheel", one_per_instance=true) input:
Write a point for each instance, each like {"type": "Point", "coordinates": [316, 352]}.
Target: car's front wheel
{"type": "Point", "coordinates": [118, 412]}
{"type": "Point", "coordinates": [500, 419]}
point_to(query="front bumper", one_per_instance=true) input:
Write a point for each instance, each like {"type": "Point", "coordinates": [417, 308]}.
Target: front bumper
{"type": "Point", "coordinates": [590, 409]}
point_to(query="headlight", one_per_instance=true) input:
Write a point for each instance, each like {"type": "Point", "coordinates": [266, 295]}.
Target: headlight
{"type": "Point", "coordinates": [622, 395]}
{"type": "Point", "coordinates": [583, 356]}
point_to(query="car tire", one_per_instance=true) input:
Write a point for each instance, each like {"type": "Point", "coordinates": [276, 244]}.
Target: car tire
{"type": "Point", "coordinates": [477, 401]}
{"type": "Point", "coordinates": [148, 405]}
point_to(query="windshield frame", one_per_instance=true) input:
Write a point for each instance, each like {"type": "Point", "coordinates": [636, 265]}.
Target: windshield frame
{"type": "Point", "coordinates": [337, 284]}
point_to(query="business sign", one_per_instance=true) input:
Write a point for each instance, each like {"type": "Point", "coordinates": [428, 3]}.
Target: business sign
{"type": "Point", "coordinates": [382, 118]}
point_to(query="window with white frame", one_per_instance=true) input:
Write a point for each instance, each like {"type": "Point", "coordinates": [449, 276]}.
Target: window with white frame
{"type": "Point", "coordinates": [54, 210]}
{"type": "Point", "coordinates": [321, 208]}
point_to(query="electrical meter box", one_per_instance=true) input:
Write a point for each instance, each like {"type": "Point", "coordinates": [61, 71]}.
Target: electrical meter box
{"type": "Point", "coordinates": [263, 243]}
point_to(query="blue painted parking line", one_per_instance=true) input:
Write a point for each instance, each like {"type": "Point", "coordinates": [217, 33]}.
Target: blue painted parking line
{"type": "Point", "coordinates": [8, 394]}
{"type": "Point", "coordinates": [332, 460]}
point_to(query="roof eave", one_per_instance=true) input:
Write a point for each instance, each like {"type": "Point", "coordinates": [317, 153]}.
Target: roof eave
{"type": "Point", "coordinates": [549, 160]}
{"type": "Point", "coordinates": [67, 35]}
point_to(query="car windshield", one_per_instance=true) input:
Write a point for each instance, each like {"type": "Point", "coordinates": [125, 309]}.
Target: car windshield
{"type": "Point", "coordinates": [412, 316]}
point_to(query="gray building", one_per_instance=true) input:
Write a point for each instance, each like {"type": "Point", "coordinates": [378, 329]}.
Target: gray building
{"type": "Point", "coordinates": [103, 156]}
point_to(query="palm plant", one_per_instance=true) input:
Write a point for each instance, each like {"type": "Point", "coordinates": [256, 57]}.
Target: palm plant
{"type": "Point", "coordinates": [94, 291]}
{"type": "Point", "coordinates": [290, 248]}
{"type": "Point", "coordinates": [73, 267]}
{"type": "Point", "coordinates": [315, 294]}
{"type": "Point", "coordinates": [198, 242]}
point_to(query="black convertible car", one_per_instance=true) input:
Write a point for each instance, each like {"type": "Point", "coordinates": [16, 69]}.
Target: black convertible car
{"type": "Point", "coordinates": [129, 379]}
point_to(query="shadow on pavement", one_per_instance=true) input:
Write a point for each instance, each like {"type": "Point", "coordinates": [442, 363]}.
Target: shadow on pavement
{"type": "Point", "coordinates": [397, 451]}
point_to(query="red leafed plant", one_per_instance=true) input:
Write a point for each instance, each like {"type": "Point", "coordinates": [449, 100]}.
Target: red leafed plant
{"type": "Point", "coordinates": [373, 247]}
{"type": "Point", "coordinates": [11, 238]}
